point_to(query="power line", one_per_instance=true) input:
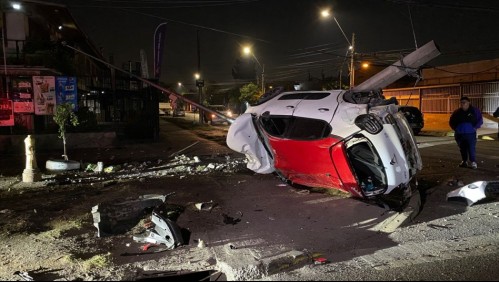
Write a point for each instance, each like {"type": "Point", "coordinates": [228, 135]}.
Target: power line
{"type": "Point", "coordinates": [195, 25]}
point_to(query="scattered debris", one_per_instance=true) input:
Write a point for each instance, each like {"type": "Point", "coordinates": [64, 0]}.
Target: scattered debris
{"type": "Point", "coordinates": [320, 260]}
{"type": "Point", "coordinates": [104, 183]}
{"type": "Point", "coordinates": [436, 226]}
{"type": "Point", "coordinates": [6, 211]}
{"type": "Point", "coordinates": [116, 218]}
{"type": "Point", "coordinates": [181, 166]}
{"type": "Point", "coordinates": [230, 220]}
{"type": "Point", "coordinates": [146, 247]}
{"type": "Point", "coordinates": [24, 275]}
{"type": "Point", "coordinates": [111, 169]}
{"type": "Point", "coordinates": [206, 206]}
{"type": "Point", "coordinates": [475, 192]}
{"type": "Point", "coordinates": [165, 231]}
{"type": "Point", "coordinates": [201, 244]}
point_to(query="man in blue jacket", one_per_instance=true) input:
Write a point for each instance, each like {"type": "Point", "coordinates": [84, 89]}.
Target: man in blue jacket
{"type": "Point", "coordinates": [465, 121]}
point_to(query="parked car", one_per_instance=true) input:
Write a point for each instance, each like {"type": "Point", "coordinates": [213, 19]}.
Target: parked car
{"type": "Point", "coordinates": [178, 112]}
{"type": "Point", "coordinates": [414, 116]}
{"type": "Point", "coordinates": [213, 119]}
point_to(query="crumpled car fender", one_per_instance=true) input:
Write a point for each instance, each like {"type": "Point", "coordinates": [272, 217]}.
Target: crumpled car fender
{"type": "Point", "coordinates": [243, 138]}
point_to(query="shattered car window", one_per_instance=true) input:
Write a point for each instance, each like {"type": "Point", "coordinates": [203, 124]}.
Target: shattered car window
{"type": "Point", "coordinates": [368, 167]}
{"type": "Point", "coordinates": [297, 128]}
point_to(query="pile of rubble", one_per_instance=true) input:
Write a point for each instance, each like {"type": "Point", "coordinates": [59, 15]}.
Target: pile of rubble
{"type": "Point", "coordinates": [180, 166]}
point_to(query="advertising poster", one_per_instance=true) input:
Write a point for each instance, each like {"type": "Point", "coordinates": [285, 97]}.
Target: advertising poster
{"type": "Point", "coordinates": [66, 91]}
{"type": "Point", "coordinates": [6, 113]}
{"type": "Point", "coordinates": [22, 96]}
{"type": "Point", "coordinates": [44, 94]}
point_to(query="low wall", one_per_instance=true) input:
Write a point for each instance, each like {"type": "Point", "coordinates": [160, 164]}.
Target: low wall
{"type": "Point", "coordinates": [15, 143]}
{"type": "Point", "coordinates": [436, 122]}
{"type": "Point", "coordinates": [440, 122]}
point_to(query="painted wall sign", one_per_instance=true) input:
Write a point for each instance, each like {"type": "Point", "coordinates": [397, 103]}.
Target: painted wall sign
{"type": "Point", "coordinates": [44, 94]}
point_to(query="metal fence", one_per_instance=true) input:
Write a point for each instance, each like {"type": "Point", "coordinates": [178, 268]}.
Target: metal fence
{"type": "Point", "coordinates": [445, 99]}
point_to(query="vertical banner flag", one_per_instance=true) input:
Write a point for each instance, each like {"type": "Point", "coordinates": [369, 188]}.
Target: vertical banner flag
{"type": "Point", "coordinates": [22, 95]}
{"type": "Point", "coordinates": [6, 113]}
{"type": "Point", "coordinates": [159, 46]}
{"type": "Point", "coordinates": [44, 94]}
{"type": "Point", "coordinates": [66, 91]}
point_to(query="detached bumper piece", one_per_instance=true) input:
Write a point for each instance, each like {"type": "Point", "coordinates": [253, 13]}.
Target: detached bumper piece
{"type": "Point", "coordinates": [165, 231]}
{"type": "Point", "coordinates": [475, 192]}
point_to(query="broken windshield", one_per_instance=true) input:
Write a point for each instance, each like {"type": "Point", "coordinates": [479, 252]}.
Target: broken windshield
{"type": "Point", "coordinates": [297, 128]}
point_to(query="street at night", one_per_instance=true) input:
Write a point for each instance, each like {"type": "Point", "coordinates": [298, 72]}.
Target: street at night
{"type": "Point", "coordinates": [243, 140]}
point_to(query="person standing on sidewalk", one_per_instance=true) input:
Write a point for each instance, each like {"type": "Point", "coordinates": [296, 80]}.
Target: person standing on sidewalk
{"type": "Point", "coordinates": [465, 121]}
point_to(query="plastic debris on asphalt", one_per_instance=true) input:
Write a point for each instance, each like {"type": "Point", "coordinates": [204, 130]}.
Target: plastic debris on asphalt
{"type": "Point", "coordinates": [475, 192]}
{"type": "Point", "coordinates": [207, 206]}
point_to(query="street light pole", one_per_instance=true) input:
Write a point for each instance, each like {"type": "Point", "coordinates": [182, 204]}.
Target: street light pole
{"type": "Point", "coordinates": [352, 60]}
{"type": "Point", "coordinates": [263, 78]}
{"type": "Point", "coordinates": [247, 51]}
{"type": "Point", "coordinates": [326, 14]}
{"type": "Point", "coordinates": [263, 73]}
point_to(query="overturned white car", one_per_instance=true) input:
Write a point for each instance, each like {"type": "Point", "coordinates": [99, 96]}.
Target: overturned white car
{"type": "Point", "coordinates": [352, 140]}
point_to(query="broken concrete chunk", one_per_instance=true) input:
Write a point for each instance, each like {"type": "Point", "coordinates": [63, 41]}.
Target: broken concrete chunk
{"type": "Point", "coordinates": [118, 218]}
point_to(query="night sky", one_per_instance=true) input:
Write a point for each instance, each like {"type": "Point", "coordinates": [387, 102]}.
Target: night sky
{"type": "Point", "coordinates": [288, 36]}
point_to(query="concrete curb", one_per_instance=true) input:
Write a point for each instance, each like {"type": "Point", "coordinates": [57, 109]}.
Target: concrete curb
{"type": "Point", "coordinates": [393, 222]}
{"type": "Point", "coordinates": [246, 263]}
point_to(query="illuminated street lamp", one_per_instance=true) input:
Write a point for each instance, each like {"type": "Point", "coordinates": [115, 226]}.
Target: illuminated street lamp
{"type": "Point", "coordinates": [16, 6]}
{"type": "Point", "coordinates": [326, 13]}
{"type": "Point", "coordinates": [247, 52]}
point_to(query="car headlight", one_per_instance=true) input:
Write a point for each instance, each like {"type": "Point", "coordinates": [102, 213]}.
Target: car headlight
{"type": "Point", "coordinates": [370, 123]}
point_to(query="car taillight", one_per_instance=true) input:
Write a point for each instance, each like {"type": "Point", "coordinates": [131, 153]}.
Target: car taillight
{"type": "Point", "coordinates": [370, 123]}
